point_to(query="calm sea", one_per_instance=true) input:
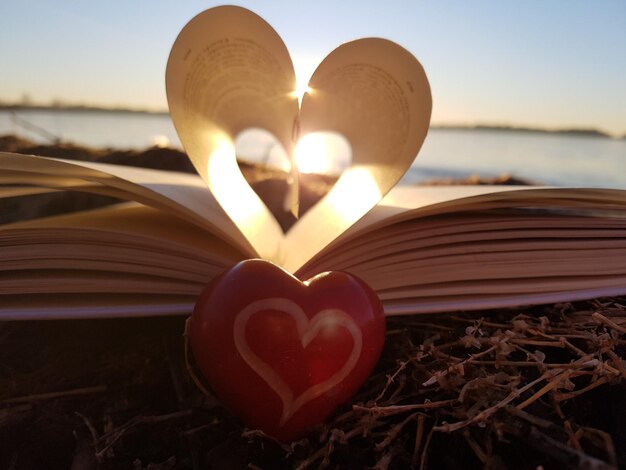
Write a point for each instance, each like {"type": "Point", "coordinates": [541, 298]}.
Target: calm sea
{"type": "Point", "coordinates": [552, 159]}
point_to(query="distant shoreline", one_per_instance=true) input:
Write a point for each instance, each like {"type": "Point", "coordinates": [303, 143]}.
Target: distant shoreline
{"type": "Point", "coordinates": [528, 130]}
{"type": "Point", "coordinates": [590, 132]}
{"type": "Point", "coordinates": [80, 109]}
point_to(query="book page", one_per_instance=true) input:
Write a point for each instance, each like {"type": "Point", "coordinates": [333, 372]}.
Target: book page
{"type": "Point", "coordinates": [182, 194]}
{"type": "Point", "coordinates": [582, 290]}
{"type": "Point", "coordinates": [127, 221]}
{"type": "Point", "coordinates": [375, 94]}
{"type": "Point", "coordinates": [16, 191]}
{"type": "Point", "coordinates": [106, 254]}
{"type": "Point", "coordinates": [80, 306]}
{"type": "Point", "coordinates": [229, 71]}
{"type": "Point", "coordinates": [423, 252]}
{"type": "Point", "coordinates": [436, 237]}
{"type": "Point", "coordinates": [411, 203]}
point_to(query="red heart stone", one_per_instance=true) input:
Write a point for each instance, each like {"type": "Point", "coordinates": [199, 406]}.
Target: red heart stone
{"type": "Point", "coordinates": [281, 353]}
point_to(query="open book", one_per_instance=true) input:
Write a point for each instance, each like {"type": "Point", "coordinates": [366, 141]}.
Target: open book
{"type": "Point", "coordinates": [423, 249]}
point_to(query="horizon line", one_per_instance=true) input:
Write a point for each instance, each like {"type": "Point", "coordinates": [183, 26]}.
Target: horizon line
{"type": "Point", "coordinates": [480, 126]}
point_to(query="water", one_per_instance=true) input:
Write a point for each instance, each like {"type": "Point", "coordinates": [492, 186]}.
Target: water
{"type": "Point", "coordinates": [95, 129]}
{"type": "Point", "coordinates": [552, 159]}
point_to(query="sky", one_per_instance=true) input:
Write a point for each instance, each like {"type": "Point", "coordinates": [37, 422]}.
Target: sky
{"type": "Point", "coordinates": [551, 64]}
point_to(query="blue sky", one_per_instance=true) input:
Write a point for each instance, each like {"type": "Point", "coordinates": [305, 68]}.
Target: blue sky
{"type": "Point", "coordinates": [535, 63]}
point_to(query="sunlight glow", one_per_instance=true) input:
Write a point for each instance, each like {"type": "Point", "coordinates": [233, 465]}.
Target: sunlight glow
{"type": "Point", "coordinates": [228, 186]}
{"type": "Point", "coordinates": [355, 192]}
{"type": "Point", "coordinates": [160, 141]}
{"type": "Point", "coordinates": [312, 154]}
{"type": "Point", "coordinates": [215, 160]}
{"type": "Point", "coordinates": [300, 90]}
{"type": "Point", "coordinates": [303, 73]}
{"type": "Point", "coordinates": [322, 153]}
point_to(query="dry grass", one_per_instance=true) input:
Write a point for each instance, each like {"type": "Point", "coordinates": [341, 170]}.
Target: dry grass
{"type": "Point", "coordinates": [505, 389]}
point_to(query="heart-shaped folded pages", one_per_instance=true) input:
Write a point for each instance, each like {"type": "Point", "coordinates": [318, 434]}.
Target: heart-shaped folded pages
{"type": "Point", "coordinates": [229, 71]}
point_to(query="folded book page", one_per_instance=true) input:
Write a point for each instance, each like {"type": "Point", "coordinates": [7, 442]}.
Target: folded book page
{"type": "Point", "coordinates": [229, 71]}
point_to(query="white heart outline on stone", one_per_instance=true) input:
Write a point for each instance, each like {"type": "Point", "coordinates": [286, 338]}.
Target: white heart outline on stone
{"type": "Point", "coordinates": [308, 329]}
